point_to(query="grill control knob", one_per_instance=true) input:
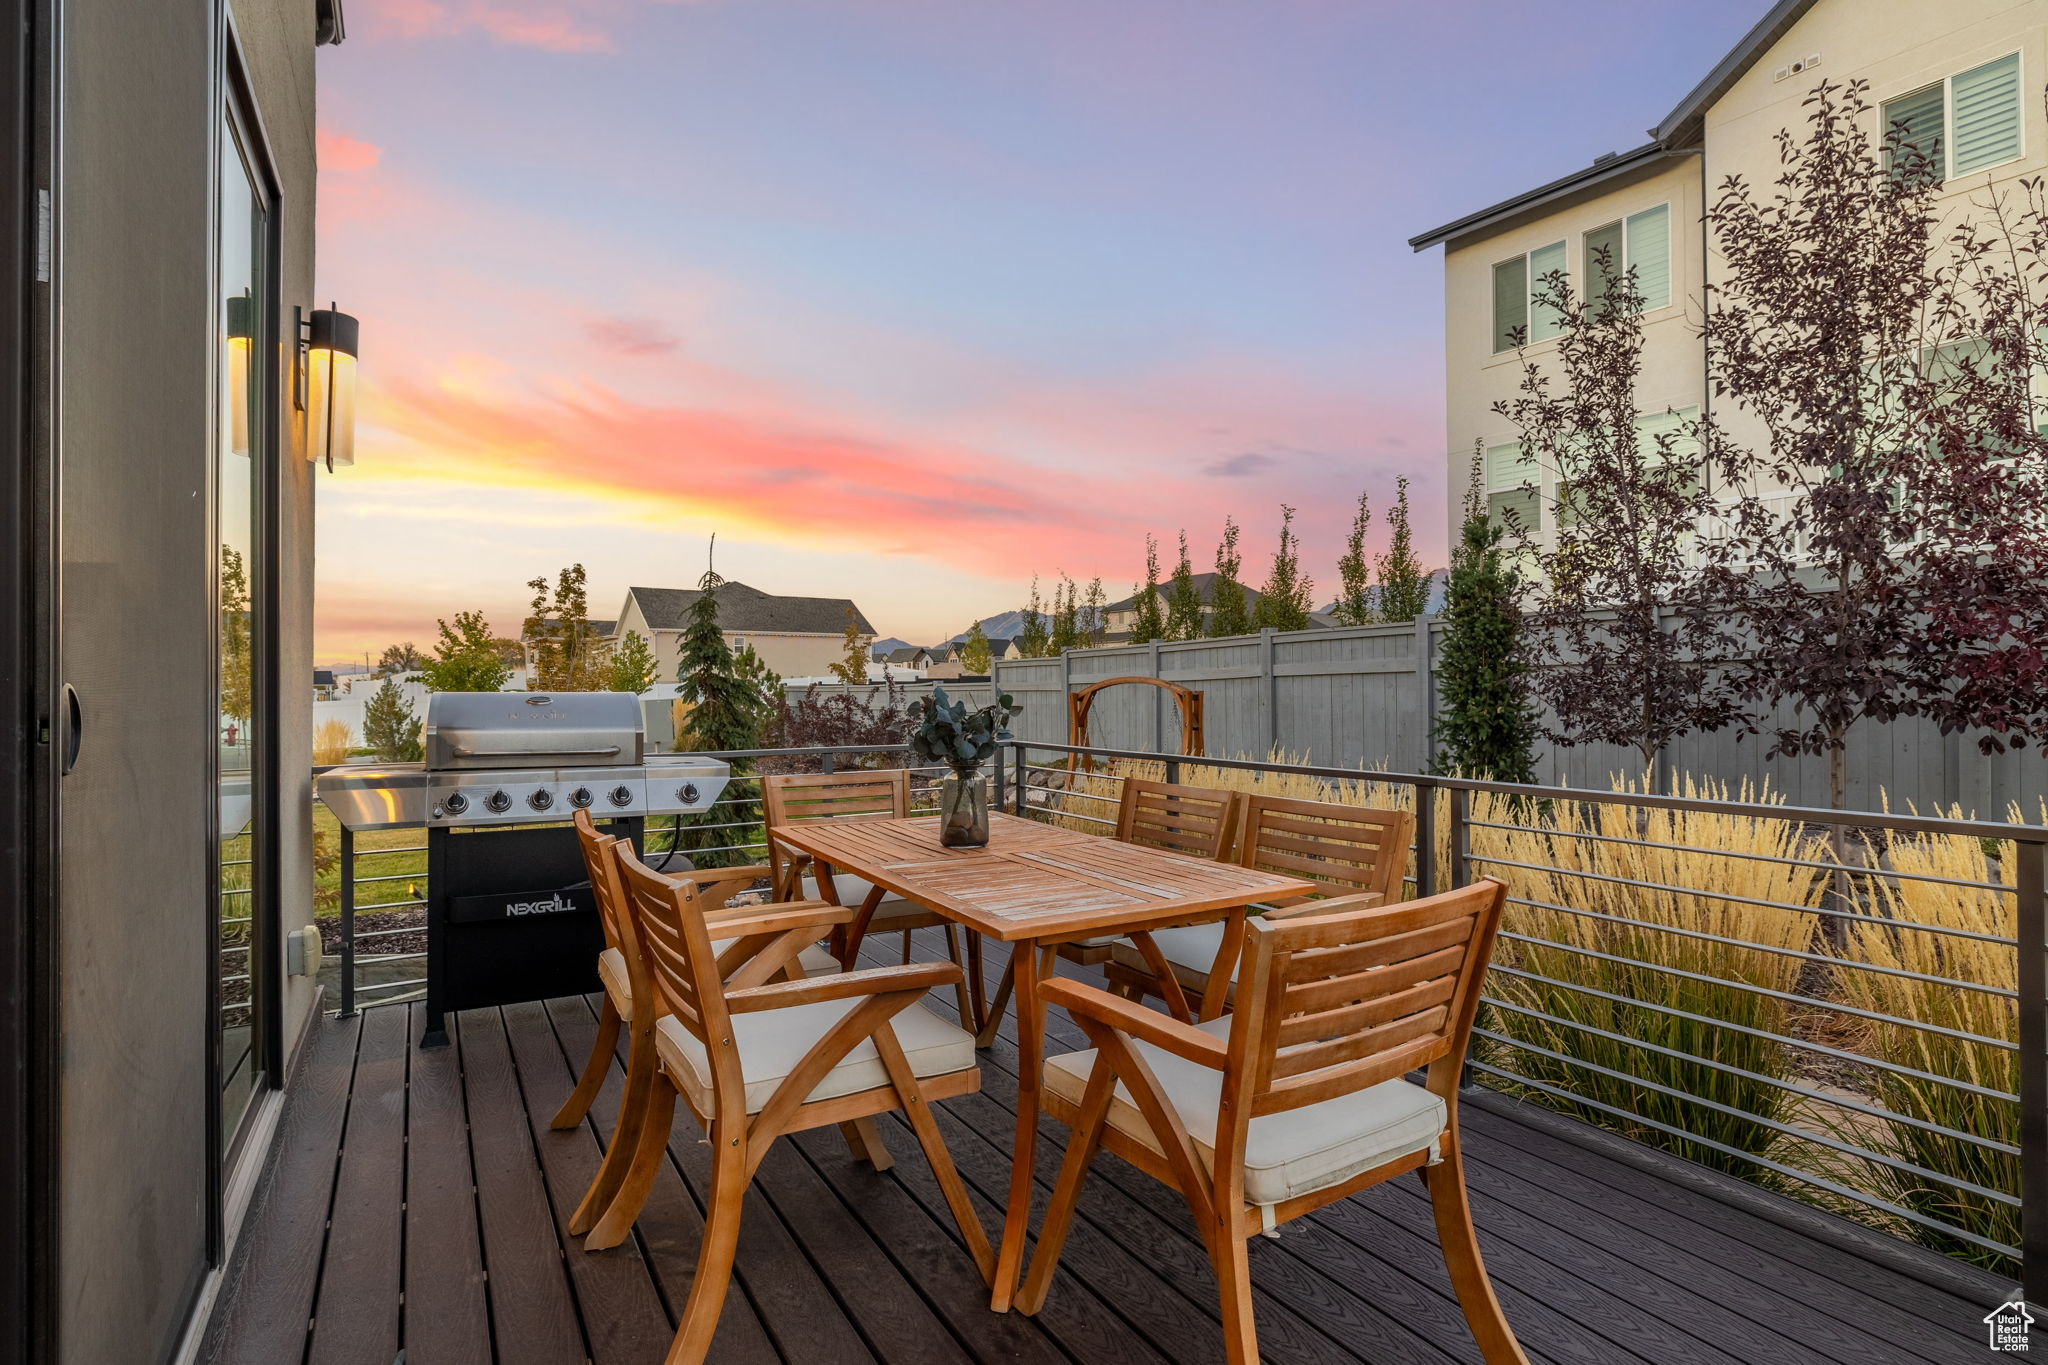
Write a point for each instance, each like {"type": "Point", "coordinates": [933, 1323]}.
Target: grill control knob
{"type": "Point", "coordinates": [581, 798]}
{"type": "Point", "coordinates": [620, 796]}
{"type": "Point", "coordinates": [541, 799]}
{"type": "Point", "coordinates": [456, 803]}
{"type": "Point", "coordinates": [498, 802]}
{"type": "Point", "coordinates": [687, 793]}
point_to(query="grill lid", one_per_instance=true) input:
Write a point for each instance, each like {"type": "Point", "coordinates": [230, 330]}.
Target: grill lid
{"type": "Point", "coordinates": [468, 730]}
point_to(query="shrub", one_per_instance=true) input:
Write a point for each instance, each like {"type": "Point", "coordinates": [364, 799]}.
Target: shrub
{"type": "Point", "coordinates": [1907, 897]}
{"type": "Point", "coordinates": [332, 740]}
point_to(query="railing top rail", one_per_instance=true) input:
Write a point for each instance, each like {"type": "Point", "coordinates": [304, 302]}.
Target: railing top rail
{"type": "Point", "coordinates": [1907, 824]}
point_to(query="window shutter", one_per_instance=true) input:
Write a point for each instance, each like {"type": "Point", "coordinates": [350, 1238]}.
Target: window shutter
{"type": "Point", "coordinates": [1917, 121]}
{"type": "Point", "coordinates": [1649, 254]}
{"type": "Point", "coordinates": [1510, 301]}
{"type": "Point", "coordinates": [1506, 471]}
{"type": "Point", "coordinates": [1987, 111]}
{"type": "Point", "coordinates": [1544, 321]}
{"type": "Point", "coordinates": [1599, 277]}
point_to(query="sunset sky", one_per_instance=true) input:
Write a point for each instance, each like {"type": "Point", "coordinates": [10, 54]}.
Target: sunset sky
{"type": "Point", "coordinates": [908, 299]}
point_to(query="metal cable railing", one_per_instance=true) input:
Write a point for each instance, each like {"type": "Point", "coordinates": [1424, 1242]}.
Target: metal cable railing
{"type": "Point", "coordinates": [1585, 1019]}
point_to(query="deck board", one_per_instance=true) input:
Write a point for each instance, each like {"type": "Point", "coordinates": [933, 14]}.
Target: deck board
{"type": "Point", "coordinates": [443, 1179]}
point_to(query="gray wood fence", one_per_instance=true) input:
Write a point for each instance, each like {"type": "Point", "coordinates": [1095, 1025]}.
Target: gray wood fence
{"type": "Point", "coordinates": [1367, 696]}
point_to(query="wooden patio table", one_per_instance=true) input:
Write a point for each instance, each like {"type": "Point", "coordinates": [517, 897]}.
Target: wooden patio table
{"type": "Point", "coordinates": [1034, 886]}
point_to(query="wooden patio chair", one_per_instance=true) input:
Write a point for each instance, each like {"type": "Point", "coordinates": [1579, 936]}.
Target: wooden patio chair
{"type": "Point", "coordinates": [1199, 821]}
{"type": "Point", "coordinates": [1348, 851]}
{"type": "Point", "coordinates": [790, 797]}
{"type": "Point", "coordinates": [1295, 1099]}
{"type": "Point", "coordinates": [616, 967]}
{"type": "Point", "coordinates": [754, 1059]}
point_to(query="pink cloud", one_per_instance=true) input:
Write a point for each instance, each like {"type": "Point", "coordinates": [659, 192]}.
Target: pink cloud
{"type": "Point", "coordinates": [630, 336]}
{"type": "Point", "coordinates": [341, 153]}
{"type": "Point", "coordinates": [548, 25]}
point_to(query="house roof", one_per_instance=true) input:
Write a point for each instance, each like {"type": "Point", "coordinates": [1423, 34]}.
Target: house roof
{"type": "Point", "coordinates": [1202, 581]}
{"type": "Point", "coordinates": [907, 654]}
{"type": "Point", "coordinates": [1675, 138]}
{"type": "Point", "coordinates": [742, 608]}
{"type": "Point", "coordinates": [323, 677]}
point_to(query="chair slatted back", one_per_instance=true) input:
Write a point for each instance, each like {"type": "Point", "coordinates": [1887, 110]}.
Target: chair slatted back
{"type": "Point", "coordinates": [1344, 849]}
{"type": "Point", "coordinates": [790, 797]}
{"type": "Point", "coordinates": [1199, 821]}
{"type": "Point", "coordinates": [604, 881]}
{"type": "Point", "coordinates": [682, 968]}
{"type": "Point", "coordinates": [1342, 1001]}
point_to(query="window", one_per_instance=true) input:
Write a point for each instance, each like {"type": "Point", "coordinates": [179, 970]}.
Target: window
{"type": "Point", "coordinates": [1959, 125]}
{"type": "Point", "coordinates": [1640, 242]}
{"type": "Point", "coordinates": [1511, 486]}
{"type": "Point", "coordinates": [1517, 287]}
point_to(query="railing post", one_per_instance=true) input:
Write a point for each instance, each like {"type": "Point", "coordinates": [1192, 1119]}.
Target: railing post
{"type": "Point", "coordinates": [831, 760]}
{"type": "Point", "coordinates": [1425, 839]}
{"type": "Point", "coordinates": [1002, 769]}
{"type": "Point", "coordinates": [348, 922]}
{"type": "Point", "coordinates": [2031, 936]}
{"type": "Point", "coordinates": [1023, 779]}
{"type": "Point", "coordinates": [1173, 770]}
{"type": "Point", "coordinates": [1461, 836]}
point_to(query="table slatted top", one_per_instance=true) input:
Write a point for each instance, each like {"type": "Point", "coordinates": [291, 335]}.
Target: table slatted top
{"type": "Point", "coordinates": [1035, 880]}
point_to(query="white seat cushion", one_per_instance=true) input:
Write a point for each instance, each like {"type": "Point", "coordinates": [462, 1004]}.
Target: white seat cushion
{"type": "Point", "coordinates": [1185, 945]}
{"type": "Point", "coordinates": [1288, 1154]}
{"type": "Point", "coordinates": [772, 1042]}
{"type": "Point", "coordinates": [853, 893]}
{"type": "Point", "coordinates": [611, 970]}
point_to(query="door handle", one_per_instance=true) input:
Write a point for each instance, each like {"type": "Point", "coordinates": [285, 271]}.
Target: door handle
{"type": "Point", "coordinates": [74, 728]}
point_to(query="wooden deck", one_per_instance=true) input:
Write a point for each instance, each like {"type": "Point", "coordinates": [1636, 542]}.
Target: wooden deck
{"type": "Point", "coordinates": [416, 1200]}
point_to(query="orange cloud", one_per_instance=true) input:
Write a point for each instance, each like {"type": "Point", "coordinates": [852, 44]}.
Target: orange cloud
{"type": "Point", "coordinates": [794, 479]}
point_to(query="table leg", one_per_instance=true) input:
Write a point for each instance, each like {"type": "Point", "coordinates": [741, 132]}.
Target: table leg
{"type": "Point", "coordinates": [1029, 963]}
{"type": "Point", "coordinates": [858, 930]}
{"type": "Point", "coordinates": [992, 1017]}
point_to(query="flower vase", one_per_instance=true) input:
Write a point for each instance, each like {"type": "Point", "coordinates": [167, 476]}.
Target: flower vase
{"type": "Point", "coordinates": [963, 810]}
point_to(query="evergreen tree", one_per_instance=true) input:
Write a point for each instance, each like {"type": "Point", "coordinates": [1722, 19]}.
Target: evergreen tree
{"type": "Point", "coordinates": [976, 656]}
{"type": "Point", "coordinates": [1354, 570]}
{"type": "Point", "coordinates": [1148, 621]}
{"type": "Point", "coordinates": [390, 727]}
{"type": "Point", "coordinates": [1285, 601]}
{"type": "Point", "coordinates": [567, 654]}
{"type": "Point", "coordinates": [1229, 612]}
{"type": "Point", "coordinates": [726, 710]}
{"type": "Point", "coordinates": [468, 658]}
{"type": "Point", "coordinates": [1404, 587]}
{"type": "Point", "coordinates": [1183, 599]}
{"type": "Point", "coordinates": [852, 668]}
{"type": "Point", "coordinates": [1090, 617]}
{"type": "Point", "coordinates": [633, 667]}
{"type": "Point", "coordinates": [1034, 638]}
{"type": "Point", "coordinates": [1485, 726]}
{"type": "Point", "coordinates": [1066, 631]}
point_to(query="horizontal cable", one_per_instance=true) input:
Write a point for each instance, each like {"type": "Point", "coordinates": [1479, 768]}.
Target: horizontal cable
{"type": "Point", "coordinates": [1766, 991]}
{"type": "Point", "coordinates": [1821, 1139]}
{"type": "Point", "coordinates": [392, 877]}
{"type": "Point", "coordinates": [379, 852]}
{"type": "Point", "coordinates": [387, 905]}
{"type": "Point", "coordinates": [1874, 872]}
{"type": "Point", "coordinates": [1800, 954]}
{"type": "Point", "coordinates": [1730, 897]}
{"type": "Point", "coordinates": [1807, 1177]}
{"type": "Point", "coordinates": [1841, 1054]}
{"type": "Point", "coordinates": [361, 958]}
{"type": "Point", "coordinates": [1840, 1102]}
{"type": "Point", "coordinates": [361, 935]}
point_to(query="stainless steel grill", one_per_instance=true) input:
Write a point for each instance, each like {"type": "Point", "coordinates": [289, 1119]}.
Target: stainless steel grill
{"type": "Point", "coordinates": [509, 758]}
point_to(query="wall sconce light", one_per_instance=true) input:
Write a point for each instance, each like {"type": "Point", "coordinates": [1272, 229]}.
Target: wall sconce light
{"type": "Point", "coordinates": [241, 337]}
{"type": "Point", "coordinates": [331, 349]}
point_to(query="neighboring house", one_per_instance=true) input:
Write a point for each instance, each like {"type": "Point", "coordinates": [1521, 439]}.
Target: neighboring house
{"type": "Point", "coordinates": [1965, 75]}
{"type": "Point", "coordinates": [1119, 617]}
{"type": "Point", "coordinates": [880, 650]}
{"type": "Point", "coordinates": [323, 684]}
{"type": "Point", "coordinates": [1439, 583]}
{"type": "Point", "coordinates": [602, 633]}
{"type": "Point", "coordinates": [909, 656]}
{"type": "Point", "coordinates": [798, 637]}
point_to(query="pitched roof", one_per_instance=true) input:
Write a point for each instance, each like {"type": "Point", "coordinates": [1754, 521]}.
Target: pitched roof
{"type": "Point", "coordinates": [1202, 581]}
{"type": "Point", "coordinates": [742, 608]}
{"type": "Point", "coordinates": [1676, 137]}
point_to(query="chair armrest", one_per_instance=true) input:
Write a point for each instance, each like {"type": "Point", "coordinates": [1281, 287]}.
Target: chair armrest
{"type": "Point", "coordinates": [1162, 1031]}
{"type": "Point", "coordinates": [709, 879]}
{"type": "Point", "coordinates": [915, 977]}
{"type": "Point", "coordinates": [776, 919]}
